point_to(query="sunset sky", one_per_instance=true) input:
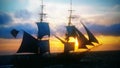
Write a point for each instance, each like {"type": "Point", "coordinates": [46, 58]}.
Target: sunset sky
{"type": "Point", "coordinates": [102, 17]}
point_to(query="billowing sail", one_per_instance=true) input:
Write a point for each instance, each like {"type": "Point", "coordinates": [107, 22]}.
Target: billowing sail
{"type": "Point", "coordinates": [29, 44]}
{"type": "Point", "coordinates": [43, 29]}
{"type": "Point", "coordinates": [44, 46]}
{"type": "Point", "coordinates": [90, 35]}
{"type": "Point", "coordinates": [71, 31]}
{"type": "Point", "coordinates": [82, 40]}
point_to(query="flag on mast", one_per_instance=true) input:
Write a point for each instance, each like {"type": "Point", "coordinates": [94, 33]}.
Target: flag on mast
{"type": "Point", "coordinates": [14, 32]}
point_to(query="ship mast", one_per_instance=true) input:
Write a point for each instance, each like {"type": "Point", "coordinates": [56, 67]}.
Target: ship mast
{"type": "Point", "coordinates": [42, 14]}
{"type": "Point", "coordinates": [43, 32]}
{"type": "Point", "coordinates": [69, 20]}
{"type": "Point", "coordinates": [70, 16]}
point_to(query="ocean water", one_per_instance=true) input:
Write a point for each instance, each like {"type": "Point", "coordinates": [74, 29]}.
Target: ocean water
{"type": "Point", "coordinates": [103, 59]}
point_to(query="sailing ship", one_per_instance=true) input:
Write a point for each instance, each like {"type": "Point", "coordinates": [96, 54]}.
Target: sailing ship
{"type": "Point", "coordinates": [72, 31]}
{"type": "Point", "coordinates": [32, 45]}
{"type": "Point", "coordinates": [41, 46]}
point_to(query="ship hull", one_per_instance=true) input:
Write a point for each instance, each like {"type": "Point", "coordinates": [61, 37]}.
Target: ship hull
{"type": "Point", "coordinates": [36, 60]}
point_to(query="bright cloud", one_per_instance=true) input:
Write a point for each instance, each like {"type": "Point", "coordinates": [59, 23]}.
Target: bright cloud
{"type": "Point", "coordinates": [57, 14]}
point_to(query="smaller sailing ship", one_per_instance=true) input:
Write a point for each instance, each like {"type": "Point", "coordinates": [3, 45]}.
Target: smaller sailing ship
{"type": "Point", "coordinates": [72, 31]}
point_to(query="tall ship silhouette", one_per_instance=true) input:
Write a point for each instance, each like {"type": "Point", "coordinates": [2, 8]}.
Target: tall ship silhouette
{"type": "Point", "coordinates": [41, 45]}
{"type": "Point", "coordinates": [72, 31]}
{"type": "Point", "coordinates": [36, 45]}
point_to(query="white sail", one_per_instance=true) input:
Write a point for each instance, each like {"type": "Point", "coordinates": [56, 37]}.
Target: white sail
{"type": "Point", "coordinates": [43, 29]}
{"type": "Point", "coordinates": [29, 44]}
{"type": "Point", "coordinates": [90, 35]}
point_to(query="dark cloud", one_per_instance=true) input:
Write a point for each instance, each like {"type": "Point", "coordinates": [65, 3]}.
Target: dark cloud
{"type": "Point", "coordinates": [6, 24]}
{"type": "Point", "coordinates": [5, 31]}
{"type": "Point", "coordinates": [5, 18]}
{"type": "Point", "coordinates": [24, 14]}
{"type": "Point", "coordinates": [113, 30]}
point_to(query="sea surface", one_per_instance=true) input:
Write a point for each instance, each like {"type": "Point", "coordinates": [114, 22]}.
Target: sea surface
{"type": "Point", "coordinates": [93, 59]}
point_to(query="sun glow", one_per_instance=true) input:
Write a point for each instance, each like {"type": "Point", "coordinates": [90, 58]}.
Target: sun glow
{"type": "Point", "coordinates": [76, 44]}
{"type": "Point", "coordinates": [9, 46]}
{"type": "Point", "coordinates": [89, 46]}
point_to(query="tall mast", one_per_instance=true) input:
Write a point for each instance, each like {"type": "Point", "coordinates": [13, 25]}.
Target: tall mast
{"type": "Point", "coordinates": [42, 14]}
{"type": "Point", "coordinates": [70, 16]}
{"type": "Point", "coordinates": [43, 30]}
{"type": "Point", "coordinates": [69, 20]}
